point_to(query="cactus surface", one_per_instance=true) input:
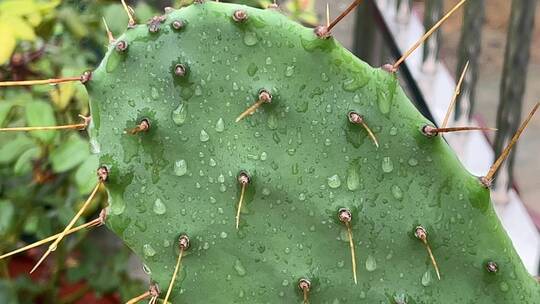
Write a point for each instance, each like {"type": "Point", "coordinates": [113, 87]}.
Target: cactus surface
{"type": "Point", "coordinates": [189, 74]}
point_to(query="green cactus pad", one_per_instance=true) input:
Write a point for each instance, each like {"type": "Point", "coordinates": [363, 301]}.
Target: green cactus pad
{"type": "Point", "coordinates": [306, 160]}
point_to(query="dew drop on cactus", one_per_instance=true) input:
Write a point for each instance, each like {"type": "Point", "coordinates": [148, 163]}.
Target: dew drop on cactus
{"type": "Point", "coordinates": [387, 164]}
{"type": "Point", "coordinates": [180, 167]}
{"type": "Point", "coordinates": [334, 181]}
{"type": "Point", "coordinates": [159, 207]}
{"type": "Point", "coordinates": [371, 263]}
{"type": "Point", "coordinates": [220, 125]}
{"type": "Point", "coordinates": [179, 115]}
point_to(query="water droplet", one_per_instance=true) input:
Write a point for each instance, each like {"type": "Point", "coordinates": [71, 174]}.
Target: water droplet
{"type": "Point", "coordinates": [239, 268]}
{"type": "Point", "coordinates": [220, 125]}
{"type": "Point", "coordinates": [223, 235]}
{"type": "Point", "coordinates": [387, 165]}
{"type": "Point", "coordinates": [324, 77]}
{"type": "Point", "coordinates": [504, 286]}
{"type": "Point", "coordinates": [354, 84]}
{"type": "Point", "coordinates": [427, 278]}
{"type": "Point", "coordinates": [250, 38]}
{"type": "Point", "coordinates": [289, 71]}
{"type": "Point", "coordinates": [252, 69]}
{"type": "Point", "coordinates": [328, 108]}
{"type": "Point", "coordinates": [204, 137]}
{"type": "Point", "coordinates": [180, 167]}
{"type": "Point", "coordinates": [179, 115]}
{"type": "Point", "coordinates": [397, 192]}
{"type": "Point", "coordinates": [371, 263]}
{"type": "Point", "coordinates": [413, 162]}
{"type": "Point", "coordinates": [148, 250]}
{"type": "Point", "coordinates": [400, 298]}
{"type": "Point", "coordinates": [159, 207]}
{"type": "Point", "coordinates": [334, 181]}
{"type": "Point", "coordinates": [272, 122]}
{"type": "Point", "coordinates": [353, 178]}
{"type": "Point", "coordinates": [146, 269]}
{"type": "Point", "coordinates": [154, 93]}
{"type": "Point", "coordinates": [384, 98]}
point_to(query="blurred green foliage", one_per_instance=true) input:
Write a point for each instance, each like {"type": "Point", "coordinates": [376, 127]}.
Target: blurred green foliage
{"type": "Point", "coordinates": [46, 175]}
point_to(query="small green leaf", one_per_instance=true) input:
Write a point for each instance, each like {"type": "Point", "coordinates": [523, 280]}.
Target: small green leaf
{"type": "Point", "coordinates": [7, 293]}
{"type": "Point", "coordinates": [116, 17]}
{"type": "Point", "coordinates": [23, 165]}
{"type": "Point", "coordinates": [69, 154]}
{"type": "Point", "coordinates": [10, 150]}
{"type": "Point", "coordinates": [62, 94]}
{"type": "Point", "coordinates": [5, 108]}
{"type": "Point", "coordinates": [41, 114]}
{"type": "Point", "coordinates": [31, 223]}
{"type": "Point", "coordinates": [143, 11]}
{"type": "Point", "coordinates": [7, 212]}
{"type": "Point", "coordinates": [73, 22]}
{"type": "Point", "coordinates": [85, 176]}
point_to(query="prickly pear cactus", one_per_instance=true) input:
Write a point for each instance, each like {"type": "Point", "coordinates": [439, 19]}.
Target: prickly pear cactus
{"type": "Point", "coordinates": [188, 74]}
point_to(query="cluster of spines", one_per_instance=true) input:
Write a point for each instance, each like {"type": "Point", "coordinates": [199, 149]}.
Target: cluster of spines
{"type": "Point", "coordinates": [264, 96]}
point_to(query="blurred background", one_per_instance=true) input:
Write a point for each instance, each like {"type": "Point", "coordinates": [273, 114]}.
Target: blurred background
{"type": "Point", "coordinates": [46, 176]}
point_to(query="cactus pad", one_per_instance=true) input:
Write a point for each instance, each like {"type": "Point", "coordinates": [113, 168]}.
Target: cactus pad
{"type": "Point", "coordinates": [189, 74]}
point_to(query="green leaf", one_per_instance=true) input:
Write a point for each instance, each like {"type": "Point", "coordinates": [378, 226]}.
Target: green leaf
{"type": "Point", "coordinates": [5, 108]}
{"type": "Point", "coordinates": [11, 149]}
{"type": "Point", "coordinates": [143, 11]}
{"type": "Point", "coordinates": [7, 293]}
{"type": "Point", "coordinates": [41, 114]}
{"type": "Point", "coordinates": [62, 94]}
{"type": "Point", "coordinates": [31, 223]}
{"type": "Point", "coordinates": [23, 165]}
{"type": "Point", "coordinates": [69, 154]}
{"type": "Point", "coordinates": [85, 176]}
{"type": "Point", "coordinates": [73, 22]}
{"type": "Point", "coordinates": [116, 17]}
{"type": "Point", "coordinates": [7, 212]}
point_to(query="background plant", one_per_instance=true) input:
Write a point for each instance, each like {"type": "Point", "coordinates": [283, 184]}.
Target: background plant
{"type": "Point", "coordinates": [45, 176]}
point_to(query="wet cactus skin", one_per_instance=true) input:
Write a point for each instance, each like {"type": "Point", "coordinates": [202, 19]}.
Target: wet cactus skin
{"type": "Point", "coordinates": [305, 160]}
